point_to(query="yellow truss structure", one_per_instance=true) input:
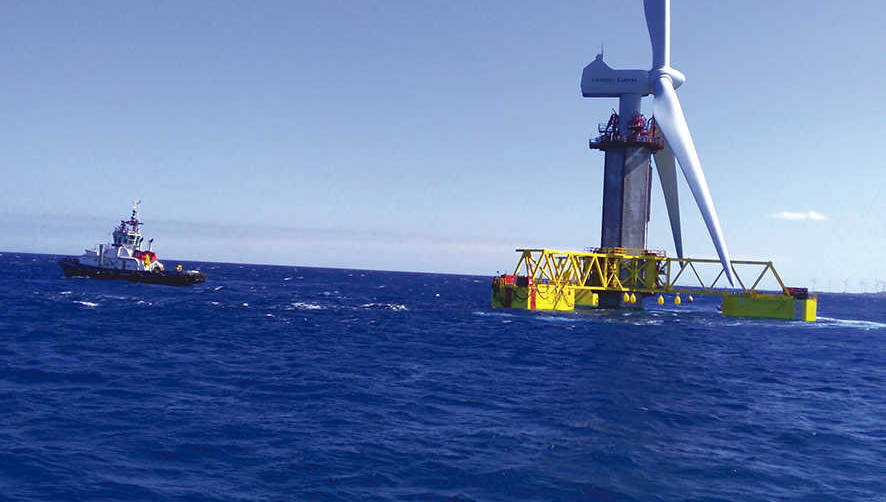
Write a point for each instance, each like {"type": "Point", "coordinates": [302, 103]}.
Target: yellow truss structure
{"type": "Point", "coordinates": [637, 271]}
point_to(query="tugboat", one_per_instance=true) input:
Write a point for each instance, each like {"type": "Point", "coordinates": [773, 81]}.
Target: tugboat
{"type": "Point", "coordinates": [125, 259]}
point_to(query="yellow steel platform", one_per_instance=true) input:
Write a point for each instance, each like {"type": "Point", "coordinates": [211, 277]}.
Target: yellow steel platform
{"type": "Point", "coordinates": [563, 280]}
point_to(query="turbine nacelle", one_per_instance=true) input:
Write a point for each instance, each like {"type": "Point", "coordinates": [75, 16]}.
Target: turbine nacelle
{"type": "Point", "coordinates": [599, 80]}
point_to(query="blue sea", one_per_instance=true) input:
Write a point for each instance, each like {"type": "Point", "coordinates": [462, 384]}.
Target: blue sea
{"type": "Point", "coordinates": [296, 383]}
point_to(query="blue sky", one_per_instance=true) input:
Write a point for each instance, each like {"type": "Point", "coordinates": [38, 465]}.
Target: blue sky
{"type": "Point", "coordinates": [432, 136]}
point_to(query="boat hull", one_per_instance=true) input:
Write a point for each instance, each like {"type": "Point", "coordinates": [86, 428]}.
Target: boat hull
{"type": "Point", "coordinates": [73, 268]}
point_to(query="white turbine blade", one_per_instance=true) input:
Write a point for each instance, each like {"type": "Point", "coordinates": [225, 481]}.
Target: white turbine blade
{"type": "Point", "coordinates": [667, 174]}
{"type": "Point", "coordinates": [658, 20]}
{"type": "Point", "coordinates": [669, 117]}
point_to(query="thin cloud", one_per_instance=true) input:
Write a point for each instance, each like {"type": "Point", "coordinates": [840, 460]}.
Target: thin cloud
{"type": "Point", "coordinates": [798, 216]}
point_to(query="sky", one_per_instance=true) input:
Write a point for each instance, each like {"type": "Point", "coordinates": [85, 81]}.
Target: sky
{"type": "Point", "coordinates": [433, 136]}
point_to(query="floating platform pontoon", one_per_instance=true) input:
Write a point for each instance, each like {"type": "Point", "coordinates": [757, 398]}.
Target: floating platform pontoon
{"type": "Point", "coordinates": [548, 279]}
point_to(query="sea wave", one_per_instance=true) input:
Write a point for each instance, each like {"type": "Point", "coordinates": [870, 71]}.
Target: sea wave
{"type": "Point", "coordinates": [307, 306]}
{"type": "Point", "coordinates": [851, 323]}
{"type": "Point", "coordinates": [388, 306]}
{"type": "Point", "coordinates": [492, 314]}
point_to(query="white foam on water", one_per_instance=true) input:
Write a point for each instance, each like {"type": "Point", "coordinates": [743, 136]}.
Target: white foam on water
{"type": "Point", "coordinates": [117, 297]}
{"type": "Point", "coordinates": [550, 318]}
{"type": "Point", "coordinates": [852, 323]}
{"type": "Point", "coordinates": [86, 304]}
{"type": "Point", "coordinates": [649, 322]}
{"type": "Point", "coordinates": [245, 304]}
{"type": "Point", "coordinates": [287, 278]}
{"type": "Point", "coordinates": [396, 307]}
{"type": "Point", "coordinates": [492, 314]}
{"type": "Point", "coordinates": [65, 293]}
{"type": "Point", "coordinates": [215, 303]}
{"type": "Point", "coordinates": [217, 288]}
{"type": "Point", "coordinates": [307, 306]}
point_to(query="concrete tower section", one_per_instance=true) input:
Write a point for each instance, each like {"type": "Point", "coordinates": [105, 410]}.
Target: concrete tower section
{"type": "Point", "coordinates": [627, 179]}
{"type": "Point", "coordinates": [635, 205]}
{"type": "Point", "coordinates": [627, 175]}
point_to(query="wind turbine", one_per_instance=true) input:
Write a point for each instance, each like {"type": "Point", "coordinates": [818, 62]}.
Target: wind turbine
{"type": "Point", "coordinates": [661, 81]}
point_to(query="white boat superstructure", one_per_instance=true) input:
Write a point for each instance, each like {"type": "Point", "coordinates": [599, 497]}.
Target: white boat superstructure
{"type": "Point", "coordinates": [125, 252]}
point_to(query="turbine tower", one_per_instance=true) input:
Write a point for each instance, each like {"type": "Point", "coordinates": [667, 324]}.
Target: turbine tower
{"type": "Point", "coordinates": [629, 143]}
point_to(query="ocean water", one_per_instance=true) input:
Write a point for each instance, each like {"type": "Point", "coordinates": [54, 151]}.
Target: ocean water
{"type": "Point", "coordinates": [291, 383]}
